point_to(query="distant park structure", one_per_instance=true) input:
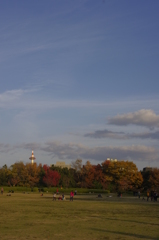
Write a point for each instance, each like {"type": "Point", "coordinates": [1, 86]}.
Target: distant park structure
{"type": "Point", "coordinates": [32, 158]}
{"type": "Point", "coordinates": [62, 165]}
{"type": "Point", "coordinates": [112, 159]}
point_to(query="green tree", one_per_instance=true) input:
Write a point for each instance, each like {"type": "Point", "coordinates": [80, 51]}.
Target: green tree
{"type": "Point", "coordinates": [4, 174]}
{"type": "Point", "coordinates": [154, 179]}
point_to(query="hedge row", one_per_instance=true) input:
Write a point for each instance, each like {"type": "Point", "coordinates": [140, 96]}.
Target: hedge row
{"type": "Point", "coordinates": [54, 189]}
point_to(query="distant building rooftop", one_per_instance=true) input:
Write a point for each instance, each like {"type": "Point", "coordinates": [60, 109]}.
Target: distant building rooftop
{"type": "Point", "coordinates": [112, 159]}
{"type": "Point", "coordinates": [147, 169]}
{"type": "Point", "coordinates": [62, 165]}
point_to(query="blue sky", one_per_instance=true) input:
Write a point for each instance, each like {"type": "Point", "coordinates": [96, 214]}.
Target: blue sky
{"type": "Point", "coordinates": [79, 79]}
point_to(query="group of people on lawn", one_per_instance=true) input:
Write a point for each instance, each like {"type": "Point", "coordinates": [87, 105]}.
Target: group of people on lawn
{"type": "Point", "coordinates": [153, 196]}
{"type": "Point", "coordinates": [62, 197]}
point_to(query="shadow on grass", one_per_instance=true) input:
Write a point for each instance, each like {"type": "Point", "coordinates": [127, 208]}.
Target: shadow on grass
{"type": "Point", "coordinates": [103, 199]}
{"type": "Point", "coordinates": [125, 234]}
{"type": "Point", "coordinates": [132, 221]}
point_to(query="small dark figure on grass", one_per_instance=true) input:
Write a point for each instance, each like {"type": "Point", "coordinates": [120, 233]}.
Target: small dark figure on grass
{"type": "Point", "coordinates": [155, 196]}
{"type": "Point", "coordinates": [99, 196]}
{"type": "Point", "coordinates": [148, 195]}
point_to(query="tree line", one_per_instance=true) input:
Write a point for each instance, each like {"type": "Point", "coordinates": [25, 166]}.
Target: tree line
{"type": "Point", "coordinates": [113, 176]}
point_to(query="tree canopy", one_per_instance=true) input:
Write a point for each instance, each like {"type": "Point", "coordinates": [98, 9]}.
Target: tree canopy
{"type": "Point", "coordinates": [114, 176]}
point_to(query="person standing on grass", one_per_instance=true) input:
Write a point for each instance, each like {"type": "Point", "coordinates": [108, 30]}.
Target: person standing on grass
{"type": "Point", "coordinates": [71, 196]}
{"type": "Point", "coordinates": [148, 195]}
{"type": "Point", "coordinates": [2, 190]}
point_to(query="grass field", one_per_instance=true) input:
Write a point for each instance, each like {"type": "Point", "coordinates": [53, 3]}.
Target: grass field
{"type": "Point", "coordinates": [30, 216]}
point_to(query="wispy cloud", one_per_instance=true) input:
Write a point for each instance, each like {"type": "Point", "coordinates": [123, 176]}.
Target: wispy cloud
{"type": "Point", "coordinates": [9, 98]}
{"type": "Point", "coordinates": [145, 135]}
{"type": "Point", "coordinates": [22, 98]}
{"type": "Point", "coordinates": [73, 151]}
{"type": "Point", "coordinates": [121, 135]}
{"type": "Point", "coordinates": [106, 134]}
{"type": "Point", "coordinates": [29, 146]}
{"type": "Point", "coordinates": [144, 117]}
{"type": "Point", "coordinates": [5, 148]}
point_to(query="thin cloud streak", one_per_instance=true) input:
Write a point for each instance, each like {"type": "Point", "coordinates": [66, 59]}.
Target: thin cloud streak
{"type": "Point", "coordinates": [5, 148]}
{"type": "Point", "coordinates": [106, 134]}
{"type": "Point", "coordinates": [146, 135]}
{"type": "Point", "coordinates": [121, 135]}
{"type": "Point", "coordinates": [20, 99]}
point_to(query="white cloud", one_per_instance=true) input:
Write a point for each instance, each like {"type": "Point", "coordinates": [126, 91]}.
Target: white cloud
{"type": "Point", "coordinates": [144, 117]}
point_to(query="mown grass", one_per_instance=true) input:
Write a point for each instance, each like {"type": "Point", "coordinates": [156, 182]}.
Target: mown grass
{"type": "Point", "coordinates": [30, 216]}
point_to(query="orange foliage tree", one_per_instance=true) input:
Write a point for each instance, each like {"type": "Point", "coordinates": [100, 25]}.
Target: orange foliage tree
{"type": "Point", "coordinates": [123, 175]}
{"type": "Point", "coordinates": [92, 176]}
{"type": "Point", "coordinates": [32, 171]}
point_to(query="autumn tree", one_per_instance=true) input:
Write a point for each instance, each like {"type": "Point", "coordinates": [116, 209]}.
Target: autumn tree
{"type": "Point", "coordinates": [19, 176]}
{"type": "Point", "coordinates": [32, 172]}
{"type": "Point", "coordinates": [67, 176]}
{"type": "Point", "coordinates": [77, 166]}
{"type": "Point", "coordinates": [51, 178]}
{"type": "Point", "coordinates": [87, 173]}
{"type": "Point", "coordinates": [92, 176]}
{"type": "Point", "coordinates": [123, 175]}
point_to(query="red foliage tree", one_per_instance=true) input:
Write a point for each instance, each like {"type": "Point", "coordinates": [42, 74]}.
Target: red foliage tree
{"type": "Point", "coordinates": [51, 178]}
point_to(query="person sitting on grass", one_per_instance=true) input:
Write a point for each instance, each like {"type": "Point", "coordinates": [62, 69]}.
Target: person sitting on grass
{"type": "Point", "coordinates": [99, 196]}
{"type": "Point", "coordinates": [60, 197]}
{"type": "Point", "coordinates": [63, 197]}
{"type": "Point", "coordinates": [54, 197]}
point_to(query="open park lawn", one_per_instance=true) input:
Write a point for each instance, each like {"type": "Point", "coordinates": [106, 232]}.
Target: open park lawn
{"type": "Point", "coordinates": [30, 216]}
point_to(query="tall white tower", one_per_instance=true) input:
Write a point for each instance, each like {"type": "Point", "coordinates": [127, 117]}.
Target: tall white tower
{"type": "Point", "coordinates": [32, 158]}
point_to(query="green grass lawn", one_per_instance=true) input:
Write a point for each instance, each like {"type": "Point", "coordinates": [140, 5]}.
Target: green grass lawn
{"type": "Point", "coordinates": [30, 216]}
